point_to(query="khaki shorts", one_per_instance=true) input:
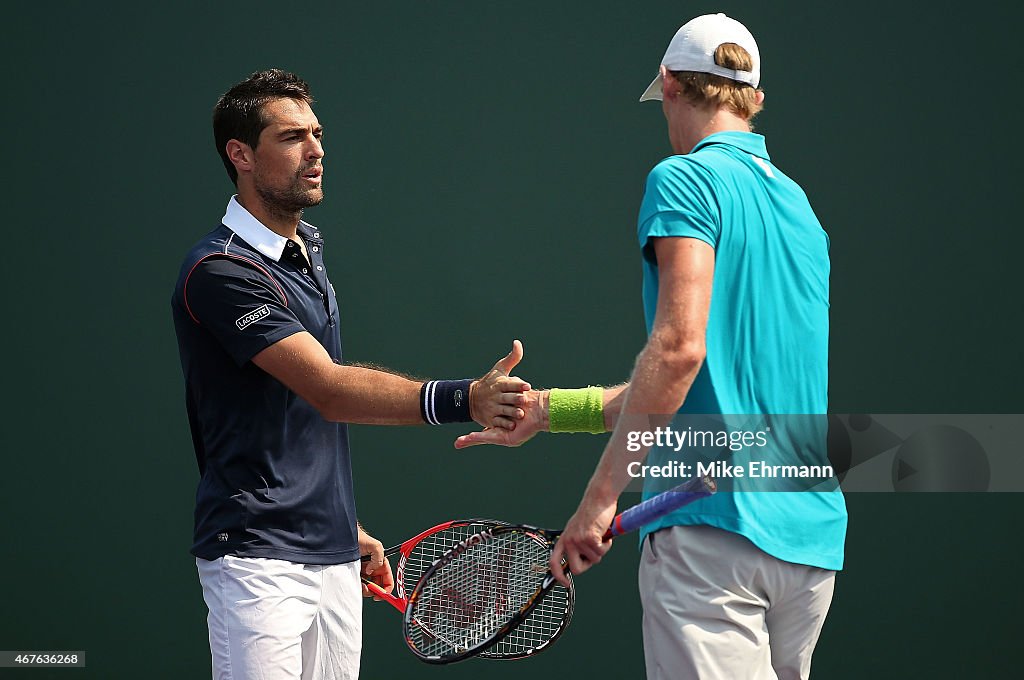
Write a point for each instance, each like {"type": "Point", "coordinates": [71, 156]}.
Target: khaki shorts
{"type": "Point", "coordinates": [716, 607]}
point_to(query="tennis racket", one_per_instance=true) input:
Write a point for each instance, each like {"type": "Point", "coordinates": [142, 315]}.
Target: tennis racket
{"type": "Point", "coordinates": [539, 629]}
{"type": "Point", "coordinates": [485, 587]}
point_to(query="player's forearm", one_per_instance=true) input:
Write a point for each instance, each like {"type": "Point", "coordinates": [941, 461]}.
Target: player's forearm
{"type": "Point", "coordinates": [366, 396]}
{"type": "Point", "coordinates": [341, 393]}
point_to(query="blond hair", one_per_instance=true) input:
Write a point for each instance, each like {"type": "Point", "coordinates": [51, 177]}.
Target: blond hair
{"type": "Point", "coordinates": [705, 89]}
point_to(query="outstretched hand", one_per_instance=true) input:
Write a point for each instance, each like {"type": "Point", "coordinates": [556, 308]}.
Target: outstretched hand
{"type": "Point", "coordinates": [535, 419]}
{"type": "Point", "coordinates": [496, 398]}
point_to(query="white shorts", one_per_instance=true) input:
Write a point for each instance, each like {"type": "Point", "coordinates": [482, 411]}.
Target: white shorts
{"type": "Point", "coordinates": [279, 620]}
{"type": "Point", "coordinates": [718, 608]}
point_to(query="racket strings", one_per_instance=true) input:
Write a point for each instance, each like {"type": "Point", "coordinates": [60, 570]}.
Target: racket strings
{"type": "Point", "coordinates": [538, 628]}
{"type": "Point", "coordinates": [429, 550]}
{"type": "Point", "coordinates": [471, 597]}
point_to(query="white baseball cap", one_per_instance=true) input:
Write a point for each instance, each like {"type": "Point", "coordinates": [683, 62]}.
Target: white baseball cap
{"type": "Point", "coordinates": [693, 49]}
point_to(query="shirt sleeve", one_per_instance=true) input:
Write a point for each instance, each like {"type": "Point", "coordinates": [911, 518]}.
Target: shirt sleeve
{"type": "Point", "coordinates": [679, 200]}
{"type": "Point", "coordinates": [241, 305]}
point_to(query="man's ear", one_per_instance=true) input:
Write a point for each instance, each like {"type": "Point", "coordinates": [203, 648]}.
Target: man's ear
{"type": "Point", "coordinates": [669, 84]}
{"type": "Point", "coordinates": [241, 155]}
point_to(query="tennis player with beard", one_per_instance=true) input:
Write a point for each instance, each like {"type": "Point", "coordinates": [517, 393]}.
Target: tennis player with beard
{"type": "Point", "coordinates": [276, 540]}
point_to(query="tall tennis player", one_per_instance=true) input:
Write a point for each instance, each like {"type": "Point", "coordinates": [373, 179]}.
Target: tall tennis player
{"type": "Point", "coordinates": [735, 292]}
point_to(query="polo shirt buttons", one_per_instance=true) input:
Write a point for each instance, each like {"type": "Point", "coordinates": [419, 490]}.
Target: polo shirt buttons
{"type": "Point", "coordinates": [316, 234]}
{"type": "Point", "coordinates": [319, 268]}
{"type": "Point", "coordinates": [316, 249]}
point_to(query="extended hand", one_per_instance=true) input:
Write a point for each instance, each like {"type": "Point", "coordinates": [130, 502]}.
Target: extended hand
{"type": "Point", "coordinates": [582, 543]}
{"type": "Point", "coordinates": [377, 568]}
{"type": "Point", "coordinates": [535, 407]}
{"type": "Point", "coordinates": [494, 399]}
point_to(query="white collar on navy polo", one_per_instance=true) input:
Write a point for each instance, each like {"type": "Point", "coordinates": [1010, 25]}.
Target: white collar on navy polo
{"type": "Point", "coordinates": [253, 232]}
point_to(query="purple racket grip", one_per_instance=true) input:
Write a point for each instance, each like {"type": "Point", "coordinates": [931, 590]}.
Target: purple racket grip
{"type": "Point", "coordinates": [660, 505]}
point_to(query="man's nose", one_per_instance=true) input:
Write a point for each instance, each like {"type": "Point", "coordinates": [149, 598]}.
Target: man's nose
{"type": "Point", "coordinates": [316, 149]}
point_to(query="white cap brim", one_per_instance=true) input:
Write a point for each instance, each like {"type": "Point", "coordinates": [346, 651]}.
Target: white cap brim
{"type": "Point", "coordinates": [653, 91]}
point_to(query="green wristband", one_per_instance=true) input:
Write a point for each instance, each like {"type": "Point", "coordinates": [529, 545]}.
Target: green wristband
{"type": "Point", "coordinates": [579, 410]}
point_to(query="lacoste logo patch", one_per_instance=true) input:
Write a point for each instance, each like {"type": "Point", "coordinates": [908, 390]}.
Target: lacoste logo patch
{"type": "Point", "coordinates": [252, 317]}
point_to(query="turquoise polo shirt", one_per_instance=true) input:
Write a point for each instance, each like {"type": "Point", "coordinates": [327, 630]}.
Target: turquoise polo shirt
{"type": "Point", "coordinates": [767, 333]}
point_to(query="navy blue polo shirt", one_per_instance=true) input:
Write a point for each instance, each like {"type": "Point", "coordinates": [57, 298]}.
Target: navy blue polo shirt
{"type": "Point", "coordinates": [275, 477]}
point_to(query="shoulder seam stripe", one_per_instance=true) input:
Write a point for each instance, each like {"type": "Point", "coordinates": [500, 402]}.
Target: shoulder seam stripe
{"type": "Point", "coordinates": [280, 290]}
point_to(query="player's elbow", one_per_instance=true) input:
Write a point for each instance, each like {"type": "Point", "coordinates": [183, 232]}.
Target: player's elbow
{"type": "Point", "coordinates": [340, 406]}
{"type": "Point", "coordinates": [679, 356]}
{"type": "Point", "coordinates": [324, 403]}
{"type": "Point", "coordinates": [330, 402]}
{"type": "Point", "coordinates": [685, 361]}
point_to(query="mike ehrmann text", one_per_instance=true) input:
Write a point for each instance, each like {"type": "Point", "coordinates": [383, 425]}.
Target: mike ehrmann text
{"type": "Point", "coordinates": [720, 469]}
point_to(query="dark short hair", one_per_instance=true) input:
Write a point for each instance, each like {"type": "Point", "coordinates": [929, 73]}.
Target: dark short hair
{"type": "Point", "coordinates": [239, 112]}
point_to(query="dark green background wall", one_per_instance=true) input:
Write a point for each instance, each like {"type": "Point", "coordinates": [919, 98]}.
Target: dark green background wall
{"type": "Point", "coordinates": [505, 139]}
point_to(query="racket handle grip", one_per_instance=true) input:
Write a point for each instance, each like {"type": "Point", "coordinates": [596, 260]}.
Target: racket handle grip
{"type": "Point", "coordinates": [660, 505]}
{"type": "Point", "coordinates": [396, 602]}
